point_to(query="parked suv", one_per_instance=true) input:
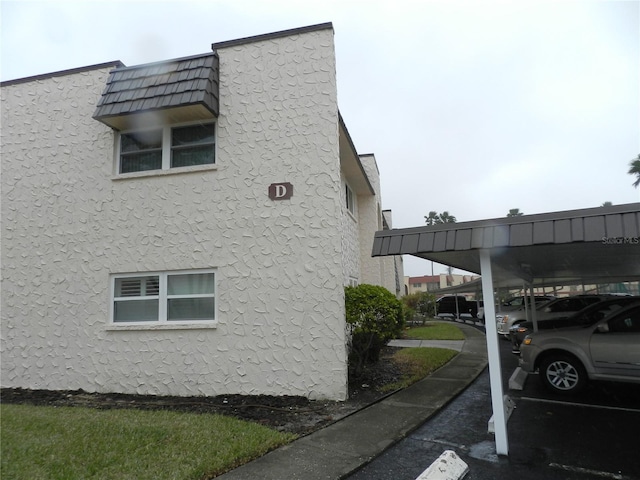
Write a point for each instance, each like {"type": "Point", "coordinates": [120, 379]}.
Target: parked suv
{"type": "Point", "coordinates": [568, 358]}
{"type": "Point", "coordinates": [517, 303]}
{"type": "Point", "coordinates": [514, 304]}
{"type": "Point", "coordinates": [586, 316]}
{"type": "Point", "coordinates": [513, 312]}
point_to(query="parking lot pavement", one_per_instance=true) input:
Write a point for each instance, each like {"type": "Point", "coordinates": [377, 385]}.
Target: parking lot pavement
{"type": "Point", "coordinates": [590, 437]}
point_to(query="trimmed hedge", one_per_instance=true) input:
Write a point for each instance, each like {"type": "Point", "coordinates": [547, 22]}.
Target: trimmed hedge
{"type": "Point", "coordinates": [374, 316]}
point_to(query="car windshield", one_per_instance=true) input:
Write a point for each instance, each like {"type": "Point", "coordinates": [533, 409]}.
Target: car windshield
{"type": "Point", "coordinates": [513, 302]}
{"type": "Point", "coordinates": [570, 305]}
{"type": "Point", "coordinates": [595, 313]}
{"type": "Point", "coordinates": [519, 301]}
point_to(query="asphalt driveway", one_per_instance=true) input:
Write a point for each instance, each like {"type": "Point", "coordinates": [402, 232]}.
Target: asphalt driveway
{"type": "Point", "coordinates": [594, 436]}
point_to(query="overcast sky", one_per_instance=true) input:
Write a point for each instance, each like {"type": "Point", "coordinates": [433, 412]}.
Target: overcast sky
{"type": "Point", "coordinates": [473, 108]}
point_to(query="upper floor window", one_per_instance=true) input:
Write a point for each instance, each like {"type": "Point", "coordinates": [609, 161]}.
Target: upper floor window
{"type": "Point", "coordinates": [166, 148]}
{"type": "Point", "coordinates": [349, 199]}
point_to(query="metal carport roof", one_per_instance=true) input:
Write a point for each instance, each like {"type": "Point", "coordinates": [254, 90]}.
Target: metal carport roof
{"type": "Point", "coordinates": [595, 245]}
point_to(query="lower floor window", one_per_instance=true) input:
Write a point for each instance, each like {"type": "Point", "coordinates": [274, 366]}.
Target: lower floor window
{"type": "Point", "coordinates": [164, 297]}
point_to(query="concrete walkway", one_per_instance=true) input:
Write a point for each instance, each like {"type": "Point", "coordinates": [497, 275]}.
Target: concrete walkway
{"type": "Point", "coordinates": [342, 447]}
{"type": "Point", "coordinates": [451, 344]}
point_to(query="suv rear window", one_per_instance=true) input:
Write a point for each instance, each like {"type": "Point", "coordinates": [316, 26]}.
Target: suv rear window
{"type": "Point", "coordinates": [571, 304]}
{"type": "Point", "coordinates": [628, 322]}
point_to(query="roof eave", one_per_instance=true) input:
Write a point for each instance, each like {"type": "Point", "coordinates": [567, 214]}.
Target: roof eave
{"type": "Point", "coordinates": [350, 162]}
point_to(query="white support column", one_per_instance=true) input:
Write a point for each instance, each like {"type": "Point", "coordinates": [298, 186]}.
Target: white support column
{"type": "Point", "coordinates": [495, 372]}
{"type": "Point", "coordinates": [534, 313]}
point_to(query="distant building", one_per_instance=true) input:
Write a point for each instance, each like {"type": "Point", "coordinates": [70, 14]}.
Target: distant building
{"type": "Point", "coordinates": [430, 283]}
{"type": "Point", "coordinates": [435, 282]}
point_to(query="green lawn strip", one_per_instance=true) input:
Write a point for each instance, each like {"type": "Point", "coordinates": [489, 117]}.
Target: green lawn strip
{"type": "Point", "coordinates": [74, 442]}
{"type": "Point", "coordinates": [418, 363]}
{"type": "Point", "coordinates": [435, 331]}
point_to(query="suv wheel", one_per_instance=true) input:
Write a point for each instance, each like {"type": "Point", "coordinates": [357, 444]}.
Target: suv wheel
{"type": "Point", "coordinates": [563, 373]}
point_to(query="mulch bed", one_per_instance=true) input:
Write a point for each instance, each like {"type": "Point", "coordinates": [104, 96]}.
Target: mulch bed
{"type": "Point", "coordinates": [293, 414]}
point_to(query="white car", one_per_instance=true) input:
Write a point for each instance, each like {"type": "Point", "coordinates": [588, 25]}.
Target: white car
{"type": "Point", "coordinates": [514, 304]}
{"type": "Point", "coordinates": [514, 312]}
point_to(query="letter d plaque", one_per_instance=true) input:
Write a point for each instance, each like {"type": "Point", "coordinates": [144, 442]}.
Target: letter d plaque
{"type": "Point", "coordinates": [280, 191]}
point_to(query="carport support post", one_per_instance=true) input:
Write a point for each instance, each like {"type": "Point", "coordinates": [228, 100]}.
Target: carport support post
{"type": "Point", "coordinates": [495, 372]}
{"type": "Point", "coordinates": [534, 313]}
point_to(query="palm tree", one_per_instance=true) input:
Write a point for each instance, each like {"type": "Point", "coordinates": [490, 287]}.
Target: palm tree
{"type": "Point", "coordinates": [515, 212]}
{"type": "Point", "coordinates": [635, 170]}
{"type": "Point", "coordinates": [446, 218]}
{"type": "Point", "coordinates": [435, 218]}
{"type": "Point", "coordinates": [432, 219]}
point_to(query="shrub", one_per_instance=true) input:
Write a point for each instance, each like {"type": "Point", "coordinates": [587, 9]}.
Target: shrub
{"type": "Point", "coordinates": [408, 313]}
{"type": "Point", "coordinates": [374, 316]}
{"type": "Point", "coordinates": [427, 305]}
{"type": "Point", "coordinates": [410, 302]}
{"type": "Point", "coordinates": [422, 304]}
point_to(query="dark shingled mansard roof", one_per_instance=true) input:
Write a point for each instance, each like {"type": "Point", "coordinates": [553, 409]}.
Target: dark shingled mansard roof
{"type": "Point", "coordinates": [183, 82]}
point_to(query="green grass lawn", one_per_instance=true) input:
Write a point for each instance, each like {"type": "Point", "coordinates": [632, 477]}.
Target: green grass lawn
{"type": "Point", "coordinates": [418, 363]}
{"type": "Point", "coordinates": [73, 442]}
{"type": "Point", "coordinates": [435, 331]}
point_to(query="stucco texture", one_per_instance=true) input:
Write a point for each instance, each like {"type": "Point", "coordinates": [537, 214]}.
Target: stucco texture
{"type": "Point", "coordinates": [350, 239]}
{"type": "Point", "coordinates": [68, 223]}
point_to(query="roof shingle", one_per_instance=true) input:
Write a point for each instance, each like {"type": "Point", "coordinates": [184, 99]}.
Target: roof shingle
{"type": "Point", "coordinates": [171, 84]}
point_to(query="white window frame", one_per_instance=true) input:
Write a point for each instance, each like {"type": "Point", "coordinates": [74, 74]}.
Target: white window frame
{"type": "Point", "coordinates": [166, 149]}
{"type": "Point", "coordinates": [349, 195]}
{"type": "Point", "coordinates": [162, 322]}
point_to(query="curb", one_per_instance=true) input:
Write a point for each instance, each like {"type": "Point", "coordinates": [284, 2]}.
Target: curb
{"type": "Point", "coordinates": [447, 466]}
{"type": "Point", "coordinates": [518, 379]}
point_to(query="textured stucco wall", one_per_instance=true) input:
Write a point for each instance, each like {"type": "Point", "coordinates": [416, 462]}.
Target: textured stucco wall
{"type": "Point", "coordinates": [392, 266]}
{"type": "Point", "coordinates": [370, 221]}
{"type": "Point", "coordinates": [350, 238]}
{"type": "Point", "coordinates": [67, 224]}
{"type": "Point", "coordinates": [399, 269]}
{"type": "Point", "coordinates": [384, 271]}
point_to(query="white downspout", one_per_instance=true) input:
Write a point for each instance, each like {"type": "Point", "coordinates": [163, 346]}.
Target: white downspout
{"type": "Point", "coordinates": [493, 351]}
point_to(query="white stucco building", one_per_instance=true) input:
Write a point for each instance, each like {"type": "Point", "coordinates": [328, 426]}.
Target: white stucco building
{"type": "Point", "coordinates": [186, 227]}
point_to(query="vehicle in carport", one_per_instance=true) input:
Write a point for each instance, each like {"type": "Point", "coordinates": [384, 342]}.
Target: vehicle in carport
{"type": "Point", "coordinates": [516, 304]}
{"type": "Point", "coordinates": [586, 316]}
{"type": "Point", "coordinates": [455, 306]}
{"type": "Point", "coordinates": [560, 307]}
{"type": "Point", "coordinates": [567, 359]}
